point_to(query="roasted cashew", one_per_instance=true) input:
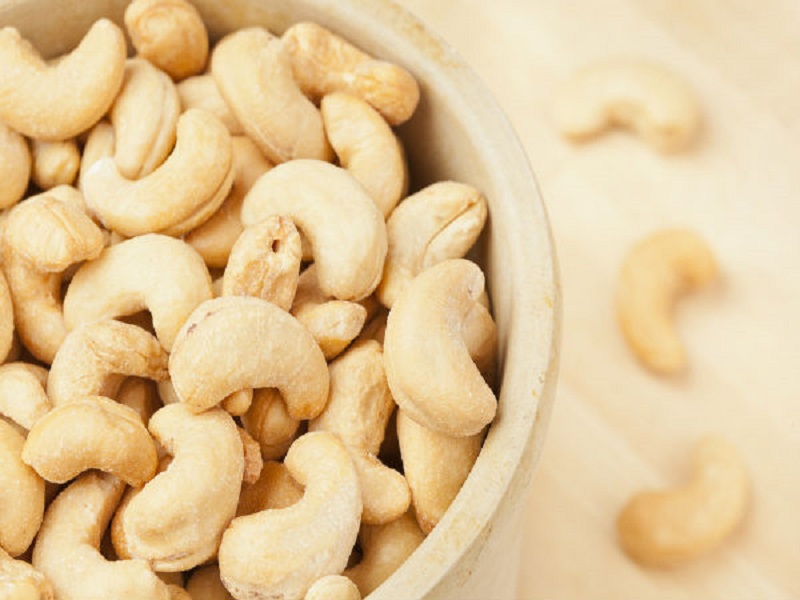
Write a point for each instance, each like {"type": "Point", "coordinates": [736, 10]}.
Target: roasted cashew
{"type": "Point", "coordinates": [145, 119]}
{"type": "Point", "coordinates": [170, 34]}
{"type": "Point", "coordinates": [280, 553]}
{"type": "Point", "coordinates": [54, 163]}
{"type": "Point", "coordinates": [329, 206]}
{"type": "Point", "coordinates": [333, 587]}
{"type": "Point", "coordinates": [367, 147]}
{"type": "Point", "coordinates": [15, 166]}
{"type": "Point", "coordinates": [141, 395]}
{"type": "Point", "coordinates": [96, 357]}
{"type": "Point", "coordinates": [201, 91]}
{"type": "Point", "coordinates": [7, 336]}
{"type": "Point", "coordinates": [237, 342]}
{"type": "Point", "coordinates": [275, 488]}
{"type": "Point", "coordinates": [66, 549]}
{"type": "Point", "coordinates": [205, 584]}
{"type": "Point", "coordinates": [92, 432]}
{"type": "Point", "coordinates": [154, 272]}
{"type": "Point", "coordinates": [203, 479]}
{"type": "Point", "coordinates": [20, 581]}
{"type": "Point", "coordinates": [439, 222]}
{"type": "Point", "coordinates": [269, 422]}
{"type": "Point", "coordinates": [655, 272]}
{"type": "Point", "coordinates": [644, 97]}
{"type": "Point", "coordinates": [22, 395]}
{"type": "Point", "coordinates": [183, 192]}
{"type": "Point", "coordinates": [430, 372]}
{"type": "Point", "coordinates": [86, 81]}
{"type": "Point", "coordinates": [323, 62]}
{"type": "Point", "coordinates": [665, 528]}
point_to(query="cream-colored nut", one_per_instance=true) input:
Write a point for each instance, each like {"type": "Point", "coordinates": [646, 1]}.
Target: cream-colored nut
{"type": "Point", "coordinates": [100, 143]}
{"type": "Point", "coordinates": [85, 81]}
{"type": "Point", "coordinates": [253, 463]}
{"type": "Point", "coordinates": [20, 581]}
{"type": "Point", "coordinates": [15, 166]}
{"type": "Point", "coordinates": [384, 548]}
{"type": "Point", "coordinates": [205, 584]}
{"type": "Point", "coordinates": [54, 163]}
{"type": "Point", "coordinates": [140, 395]}
{"type": "Point", "coordinates": [265, 262]}
{"type": "Point", "coordinates": [237, 342]}
{"type": "Point", "coordinates": [280, 553]}
{"type": "Point", "coordinates": [92, 432]}
{"type": "Point", "coordinates": [22, 395]}
{"type": "Point", "coordinates": [435, 465]}
{"type": "Point", "coordinates": [254, 74]}
{"type": "Point", "coordinates": [430, 372]}
{"type": "Point", "coordinates": [479, 333]}
{"type": "Point", "coordinates": [645, 97]}
{"type": "Point", "coordinates": [375, 328]}
{"type": "Point", "coordinates": [21, 494]}
{"type": "Point", "coordinates": [323, 63]}
{"type": "Point", "coordinates": [655, 272]}
{"type": "Point", "coordinates": [153, 272]}
{"type": "Point", "coordinates": [66, 549]}
{"type": "Point", "coordinates": [333, 587]}
{"type": "Point", "coordinates": [367, 147]}
{"type": "Point", "coordinates": [215, 238]}
{"type": "Point", "coordinates": [96, 357]}
{"type": "Point", "coordinates": [145, 119]}
{"type": "Point", "coordinates": [201, 91]}
{"type": "Point", "coordinates": [170, 34]}
{"type": "Point", "coordinates": [269, 422]}
{"type": "Point", "coordinates": [176, 592]}
{"type": "Point", "coordinates": [237, 403]}
{"type": "Point", "coordinates": [203, 479]}
{"type": "Point", "coordinates": [65, 194]}
{"type": "Point", "coordinates": [167, 392]}
{"type": "Point", "coordinates": [183, 192]}
{"type": "Point", "coordinates": [35, 270]}
{"type": "Point", "coordinates": [345, 228]}
{"type": "Point", "coordinates": [666, 528]}
{"type": "Point", "coordinates": [274, 489]}
{"type": "Point", "coordinates": [439, 222]}
{"type": "Point", "coordinates": [6, 319]}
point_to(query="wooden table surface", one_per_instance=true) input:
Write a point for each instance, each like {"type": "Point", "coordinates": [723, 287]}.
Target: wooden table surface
{"type": "Point", "coordinates": [616, 428]}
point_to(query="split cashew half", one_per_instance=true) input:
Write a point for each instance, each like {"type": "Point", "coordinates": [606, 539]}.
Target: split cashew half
{"type": "Point", "coordinates": [22, 394]}
{"type": "Point", "coordinates": [15, 166]}
{"type": "Point", "coordinates": [665, 528]}
{"type": "Point", "coordinates": [20, 581]}
{"type": "Point", "coordinates": [86, 81]}
{"type": "Point", "coordinates": [655, 272]}
{"type": "Point", "coordinates": [281, 553]}
{"type": "Point", "coordinates": [333, 587]}
{"type": "Point", "coordinates": [644, 97]}
{"type": "Point", "coordinates": [54, 163]}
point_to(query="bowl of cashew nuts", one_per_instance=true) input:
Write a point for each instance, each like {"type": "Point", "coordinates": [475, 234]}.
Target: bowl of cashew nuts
{"type": "Point", "coordinates": [279, 306]}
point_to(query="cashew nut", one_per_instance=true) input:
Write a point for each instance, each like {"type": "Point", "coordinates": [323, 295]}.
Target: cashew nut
{"type": "Point", "coordinates": [254, 74]}
{"type": "Point", "coordinates": [20, 581]}
{"type": "Point", "coordinates": [345, 228]}
{"type": "Point", "coordinates": [269, 422]}
{"type": "Point", "coordinates": [323, 62]}
{"type": "Point", "coordinates": [100, 143]}
{"type": "Point", "coordinates": [203, 480]}
{"type": "Point", "coordinates": [141, 395]}
{"type": "Point", "coordinates": [367, 147]}
{"type": "Point", "coordinates": [655, 272]}
{"type": "Point", "coordinates": [96, 357]}
{"type": "Point", "coordinates": [15, 166]}
{"type": "Point", "coordinates": [183, 192]}
{"type": "Point", "coordinates": [154, 272]}
{"type": "Point", "coordinates": [236, 342]}
{"type": "Point", "coordinates": [665, 528]}
{"type": "Point", "coordinates": [480, 338]}
{"type": "Point", "coordinates": [430, 372]}
{"type": "Point", "coordinates": [205, 584]}
{"type": "Point", "coordinates": [92, 432]}
{"type": "Point", "coordinates": [66, 549]}
{"type": "Point", "coordinates": [280, 553]}
{"type": "Point", "coordinates": [439, 222]}
{"type": "Point", "coordinates": [54, 163]}
{"type": "Point", "coordinates": [85, 81]}
{"type": "Point", "coordinates": [7, 336]}
{"type": "Point", "coordinates": [253, 463]}
{"type": "Point", "coordinates": [201, 91]}
{"type": "Point", "coordinates": [22, 395]}
{"type": "Point", "coordinates": [275, 488]}
{"type": "Point", "coordinates": [333, 587]}
{"type": "Point", "coordinates": [170, 34]}
{"type": "Point", "coordinates": [176, 592]}
{"type": "Point", "coordinates": [647, 98]}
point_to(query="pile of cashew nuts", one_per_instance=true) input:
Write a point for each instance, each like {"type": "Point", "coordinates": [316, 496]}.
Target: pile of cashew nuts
{"type": "Point", "coordinates": [241, 361]}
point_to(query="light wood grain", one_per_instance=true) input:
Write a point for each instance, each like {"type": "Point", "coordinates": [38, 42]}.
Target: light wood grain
{"type": "Point", "coordinates": [617, 428]}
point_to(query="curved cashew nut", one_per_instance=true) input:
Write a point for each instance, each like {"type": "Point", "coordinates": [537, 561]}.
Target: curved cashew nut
{"type": "Point", "coordinates": [183, 192]}
{"type": "Point", "coordinates": [430, 372]}
{"type": "Point", "coordinates": [54, 163]}
{"type": "Point", "coordinates": [203, 479]}
{"type": "Point", "coordinates": [6, 319]}
{"type": "Point", "coordinates": [480, 337]}
{"type": "Point", "coordinates": [323, 62]}
{"type": "Point", "coordinates": [20, 581]}
{"type": "Point", "coordinates": [280, 553]}
{"type": "Point", "coordinates": [274, 489]}
{"type": "Point", "coordinates": [269, 422]}
{"type": "Point", "coordinates": [15, 166]}
{"type": "Point", "coordinates": [669, 527]}
{"type": "Point", "coordinates": [333, 587]}
{"type": "Point", "coordinates": [96, 357]}
{"type": "Point", "coordinates": [367, 147]}
{"type": "Point", "coordinates": [154, 272]}
{"type": "Point", "coordinates": [205, 584]}
{"type": "Point", "coordinates": [345, 228]}
{"type": "Point", "coordinates": [22, 395]}
{"type": "Point", "coordinates": [86, 82]}
{"type": "Point", "coordinates": [657, 270]}
{"type": "Point", "coordinates": [145, 119]}
{"type": "Point", "coordinates": [201, 91]}
{"type": "Point", "coordinates": [140, 395]}
{"type": "Point", "coordinates": [644, 97]}
{"type": "Point", "coordinates": [254, 75]}
{"type": "Point", "coordinates": [91, 433]}
{"type": "Point", "coordinates": [66, 549]}
{"type": "Point", "coordinates": [236, 342]}
{"type": "Point", "coordinates": [439, 222]}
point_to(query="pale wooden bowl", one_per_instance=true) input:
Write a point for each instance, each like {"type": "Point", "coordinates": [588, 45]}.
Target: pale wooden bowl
{"type": "Point", "coordinates": [458, 132]}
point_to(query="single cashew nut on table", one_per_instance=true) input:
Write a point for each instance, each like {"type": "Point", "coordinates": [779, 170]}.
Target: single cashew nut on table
{"type": "Point", "coordinates": [666, 528]}
{"type": "Point", "coordinates": [647, 98]}
{"type": "Point", "coordinates": [280, 553]}
{"type": "Point", "coordinates": [22, 393]}
{"type": "Point", "coordinates": [201, 91]}
{"type": "Point", "coordinates": [54, 163]}
{"type": "Point", "coordinates": [85, 81]}
{"type": "Point", "coordinates": [15, 166]}
{"type": "Point", "coordinates": [20, 581]}
{"type": "Point", "coordinates": [205, 584]}
{"type": "Point", "coordinates": [654, 273]}
{"type": "Point", "coordinates": [333, 587]}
